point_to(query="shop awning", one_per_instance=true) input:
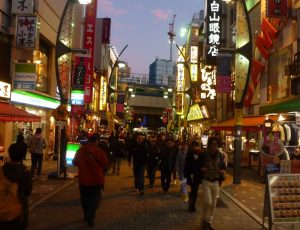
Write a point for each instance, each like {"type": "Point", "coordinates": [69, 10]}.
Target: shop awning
{"type": "Point", "coordinates": [250, 124]}
{"type": "Point", "coordinates": [290, 105]}
{"type": "Point", "coordinates": [10, 113]}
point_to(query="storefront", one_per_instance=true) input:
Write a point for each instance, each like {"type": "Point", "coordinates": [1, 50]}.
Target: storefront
{"type": "Point", "coordinates": [40, 105]}
{"type": "Point", "coordinates": [10, 116]}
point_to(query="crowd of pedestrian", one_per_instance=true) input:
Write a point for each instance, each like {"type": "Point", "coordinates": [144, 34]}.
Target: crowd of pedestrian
{"type": "Point", "coordinates": [177, 160]}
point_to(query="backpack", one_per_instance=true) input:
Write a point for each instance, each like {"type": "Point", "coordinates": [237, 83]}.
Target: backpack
{"type": "Point", "coordinates": [33, 144]}
{"type": "Point", "coordinates": [10, 206]}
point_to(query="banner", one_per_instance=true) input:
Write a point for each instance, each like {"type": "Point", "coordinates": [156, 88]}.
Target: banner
{"type": "Point", "coordinates": [26, 32]}
{"type": "Point", "coordinates": [224, 73]}
{"type": "Point", "coordinates": [89, 43]}
{"type": "Point", "coordinates": [277, 9]}
{"type": "Point", "coordinates": [106, 31]}
{"type": "Point", "coordinates": [79, 73]}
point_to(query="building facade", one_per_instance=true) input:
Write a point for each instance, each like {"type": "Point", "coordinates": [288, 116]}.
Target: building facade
{"type": "Point", "coordinates": [161, 72]}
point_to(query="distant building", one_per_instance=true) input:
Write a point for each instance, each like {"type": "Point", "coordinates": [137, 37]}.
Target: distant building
{"type": "Point", "coordinates": [161, 72]}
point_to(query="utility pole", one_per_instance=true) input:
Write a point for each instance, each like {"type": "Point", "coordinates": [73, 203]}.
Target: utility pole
{"type": "Point", "coordinates": [171, 36]}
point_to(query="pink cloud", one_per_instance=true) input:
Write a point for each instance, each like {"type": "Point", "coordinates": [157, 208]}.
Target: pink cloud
{"type": "Point", "coordinates": [161, 14]}
{"type": "Point", "coordinates": [109, 8]}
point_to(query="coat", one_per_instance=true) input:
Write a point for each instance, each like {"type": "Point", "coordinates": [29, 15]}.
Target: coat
{"type": "Point", "coordinates": [168, 158]}
{"type": "Point", "coordinates": [91, 162]}
{"type": "Point", "coordinates": [192, 169]}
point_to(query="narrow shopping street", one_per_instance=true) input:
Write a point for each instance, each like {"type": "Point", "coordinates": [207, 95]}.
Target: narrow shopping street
{"type": "Point", "coordinates": [122, 208]}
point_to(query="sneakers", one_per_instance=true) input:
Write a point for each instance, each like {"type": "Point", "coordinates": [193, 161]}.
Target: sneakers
{"type": "Point", "coordinates": [184, 198]}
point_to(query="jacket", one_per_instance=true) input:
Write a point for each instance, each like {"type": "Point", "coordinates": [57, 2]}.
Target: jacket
{"type": "Point", "coordinates": [168, 158]}
{"type": "Point", "coordinates": [138, 154]}
{"type": "Point", "coordinates": [17, 172]}
{"type": "Point", "coordinates": [192, 169]}
{"type": "Point", "coordinates": [39, 143]}
{"type": "Point", "coordinates": [91, 161]}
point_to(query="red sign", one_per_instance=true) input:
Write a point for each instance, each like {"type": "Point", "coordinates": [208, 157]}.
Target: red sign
{"type": "Point", "coordinates": [89, 42]}
{"type": "Point", "coordinates": [224, 84]}
{"type": "Point", "coordinates": [106, 30]}
{"type": "Point", "coordinates": [277, 9]}
{"type": "Point", "coordinates": [78, 109]}
{"type": "Point", "coordinates": [264, 44]}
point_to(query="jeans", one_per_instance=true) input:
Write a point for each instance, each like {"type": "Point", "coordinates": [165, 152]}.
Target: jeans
{"type": "Point", "coordinates": [138, 172]}
{"type": "Point", "coordinates": [90, 199]}
{"type": "Point", "coordinates": [116, 164]}
{"type": "Point", "coordinates": [211, 194]}
{"type": "Point", "coordinates": [165, 179]}
{"type": "Point", "coordinates": [36, 162]}
{"type": "Point", "coordinates": [151, 170]}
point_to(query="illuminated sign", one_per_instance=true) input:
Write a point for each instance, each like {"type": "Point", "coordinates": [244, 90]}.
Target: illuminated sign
{"type": "Point", "coordinates": [180, 52]}
{"type": "Point", "coordinates": [179, 103]}
{"type": "Point", "coordinates": [180, 77]}
{"type": "Point", "coordinates": [25, 76]}
{"type": "Point", "coordinates": [194, 72]}
{"type": "Point", "coordinates": [71, 150]}
{"type": "Point", "coordinates": [103, 94]}
{"type": "Point", "coordinates": [208, 84]}
{"type": "Point", "coordinates": [5, 89]}
{"type": "Point", "coordinates": [195, 113]}
{"type": "Point", "coordinates": [77, 97]}
{"type": "Point", "coordinates": [34, 99]}
{"type": "Point", "coordinates": [194, 54]}
{"type": "Point", "coordinates": [213, 39]}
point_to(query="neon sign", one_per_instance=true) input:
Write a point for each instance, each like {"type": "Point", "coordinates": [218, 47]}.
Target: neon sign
{"type": "Point", "coordinates": [208, 84]}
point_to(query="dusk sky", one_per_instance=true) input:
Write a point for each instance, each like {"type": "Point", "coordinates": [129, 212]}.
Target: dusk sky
{"type": "Point", "coordinates": [143, 25]}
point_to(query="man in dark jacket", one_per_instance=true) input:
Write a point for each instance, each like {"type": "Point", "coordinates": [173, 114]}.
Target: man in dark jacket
{"type": "Point", "coordinates": [192, 172]}
{"type": "Point", "coordinates": [117, 148]}
{"type": "Point", "coordinates": [153, 159]}
{"type": "Point", "coordinates": [168, 159]}
{"type": "Point", "coordinates": [138, 154]}
{"type": "Point", "coordinates": [213, 169]}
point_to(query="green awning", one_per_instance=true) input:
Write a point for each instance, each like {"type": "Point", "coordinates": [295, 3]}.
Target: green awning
{"type": "Point", "coordinates": [290, 105]}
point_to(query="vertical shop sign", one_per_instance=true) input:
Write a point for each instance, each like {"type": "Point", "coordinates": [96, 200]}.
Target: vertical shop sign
{"type": "Point", "coordinates": [179, 103]}
{"type": "Point", "coordinates": [26, 32]}
{"type": "Point", "coordinates": [208, 84]}
{"type": "Point", "coordinates": [180, 77]}
{"type": "Point", "coordinates": [277, 8]}
{"type": "Point", "coordinates": [5, 89]}
{"type": "Point", "coordinates": [224, 73]}
{"type": "Point", "coordinates": [213, 39]}
{"type": "Point", "coordinates": [22, 7]}
{"type": "Point", "coordinates": [79, 73]}
{"type": "Point", "coordinates": [25, 76]}
{"type": "Point", "coordinates": [106, 30]}
{"type": "Point", "coordinates": [89, 42]}
{"type": "Point", "coordinates": [103, 94]}
{"type": "Point", "coordinates": [194, 72]}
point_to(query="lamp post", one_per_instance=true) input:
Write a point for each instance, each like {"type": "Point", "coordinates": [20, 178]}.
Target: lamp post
{"type": "Point", "coordinates": [113, 89]}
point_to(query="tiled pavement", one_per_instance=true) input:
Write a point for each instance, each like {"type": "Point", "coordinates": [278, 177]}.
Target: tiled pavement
{"type": "Point", "coordinates": [122, 208]}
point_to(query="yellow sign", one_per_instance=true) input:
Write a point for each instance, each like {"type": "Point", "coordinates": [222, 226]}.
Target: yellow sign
{"type": "Point", "coordinates": [103, 94]}
{"type": "Point", "coordinates": [179, 103]}
{"type": "Point", "coordinates": [180, 52]}
{"type": "Point", "coordinates": [195, 113]}
{"type": "Point", "coordinates": [194, 54]}
{"type": "Point", "coordinates": [61, 113]}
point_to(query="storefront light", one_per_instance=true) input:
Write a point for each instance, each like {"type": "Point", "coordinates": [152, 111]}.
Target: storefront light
{"type": "Point", "coordinates": [52, 119]}
{"type": "Point", "coordinates": [84, 2]}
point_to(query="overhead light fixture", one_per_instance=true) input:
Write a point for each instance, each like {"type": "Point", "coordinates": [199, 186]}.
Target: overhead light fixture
{"type": "Point", "coordinates": [130, 89]}
{"type": "Point", "coordinates": [84, 2]}
{"type": "Point", "coordinates": [165, 96]}
{"type": "Point", "coordinates": [170, 89]}
{"type": "Point", "coordinates": [121, 64]}
{"type": "Point", "coordinates": [133, 95]}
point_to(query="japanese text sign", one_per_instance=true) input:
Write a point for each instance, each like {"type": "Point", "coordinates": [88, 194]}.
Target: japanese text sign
{"type": "Point", "coordinates": [22, 7]}
{"type": "Point", "coordinates": [180, 77]}
{"type": "Point", "coordinates": [103, 94]}
{"type": "Point", "coordinates": [26, 31]}
{"type": "Point", "coordinates": [208, 84]}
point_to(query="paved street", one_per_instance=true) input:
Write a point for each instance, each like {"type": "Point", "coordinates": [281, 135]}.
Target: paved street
{"type": "Point", "coordinates": [122, 208]}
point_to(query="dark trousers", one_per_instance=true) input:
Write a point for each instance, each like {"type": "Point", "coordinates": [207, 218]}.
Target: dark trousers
{"type": "Point", "coordinates": [151, 171]}
{"type": "Point", "coordinates": [90, 199]}
{"type": "Point", "coordinates": [36, 162]}
{"type": "Point", "coordinates": [138, 173]}
{"type": "Point", "coordinates": [165, 179]}
{"type": "Point", "coordinates": [193, 194]}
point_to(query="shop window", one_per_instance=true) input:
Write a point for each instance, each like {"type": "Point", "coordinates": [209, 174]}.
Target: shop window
{"type": "Point", "coordinates": [41, 58]}
{"type": "Point", "coordinates": [295, 86]}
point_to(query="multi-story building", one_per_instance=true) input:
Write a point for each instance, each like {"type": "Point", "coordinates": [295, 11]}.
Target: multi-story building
{"type": "Point", "coordinates": [28, 42]}
{"type": "Point", "coordinates": [161, 72]}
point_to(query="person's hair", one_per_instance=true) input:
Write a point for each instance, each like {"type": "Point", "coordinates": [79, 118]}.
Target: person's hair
{"type": "Point", "coordinates": [211, 140]}
{"type": "Point", "coordinates": [20, 139]}
{"type": "Point", "coordinates": [94, 138]}
{"type": "Point", "coordinates": [38, 130]}
{"type": "Point", "coordinates": [14, 152]}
